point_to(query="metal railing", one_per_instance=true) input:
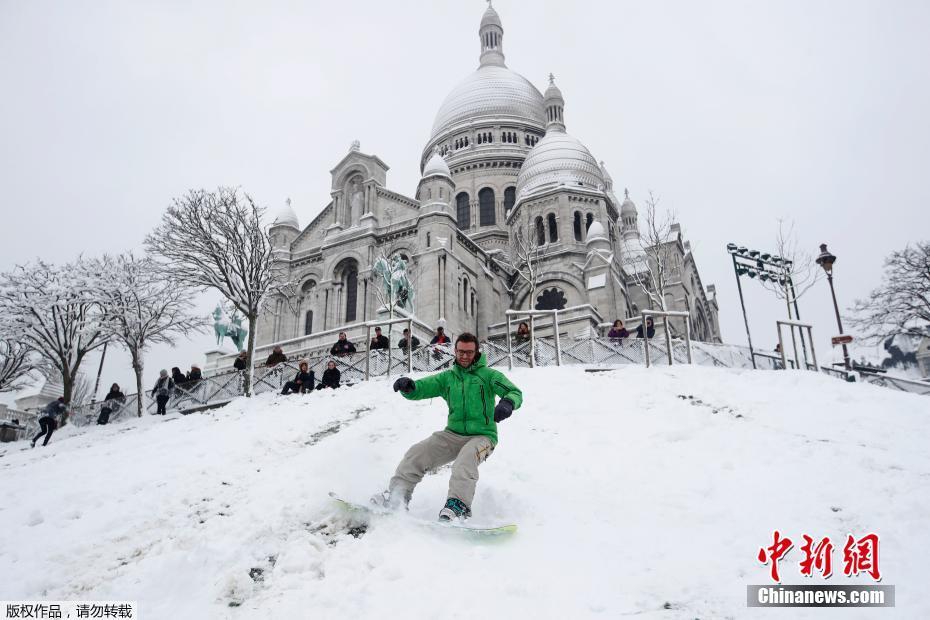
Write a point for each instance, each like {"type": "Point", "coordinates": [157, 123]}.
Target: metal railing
{"type": "Point", "coordinates": [665, 314]}
{"type": "Point", "coordinates": [781, 345]}
{"type": "Point", "coordinates": [897, 383]}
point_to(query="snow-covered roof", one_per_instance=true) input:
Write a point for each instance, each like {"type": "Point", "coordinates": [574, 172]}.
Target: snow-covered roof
{"type": "Point", "coordinates": [286, 216]}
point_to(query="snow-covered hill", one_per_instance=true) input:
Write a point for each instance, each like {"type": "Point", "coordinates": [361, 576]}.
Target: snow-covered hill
{"type": "Point", "coordinates": [640, 492]}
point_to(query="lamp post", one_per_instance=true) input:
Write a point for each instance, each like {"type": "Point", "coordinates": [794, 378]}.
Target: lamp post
{"type": "Point", "coordinates": [826, 260]}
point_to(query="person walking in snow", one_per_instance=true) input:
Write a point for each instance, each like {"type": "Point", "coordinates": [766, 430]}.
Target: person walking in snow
{"type": "Point", "coordinates": [162, 391]}
{"type": "Point", "coordinates": [470, 435]}
{"type": "Point", "coordinates": [48, 420]}
{"type": "Point", "coordinates": [303, 381]}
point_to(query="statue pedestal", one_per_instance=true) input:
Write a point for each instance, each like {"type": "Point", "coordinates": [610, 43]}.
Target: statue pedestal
{"type": "Point", "coordinates": [218, 360]}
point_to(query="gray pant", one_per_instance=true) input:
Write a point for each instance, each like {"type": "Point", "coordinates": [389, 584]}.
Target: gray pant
{"type": "Point", "coordinates": [438, 449]}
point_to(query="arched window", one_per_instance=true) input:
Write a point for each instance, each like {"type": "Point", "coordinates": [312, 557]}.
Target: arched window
{"type": "Point", "coordinates": [462, 211]}
{"type": "Point", "coordinates": [510, 197]}
{"type": "Point", "coordinates": [473, 302]}
{"type": "Point", "coordinates": [551, 299]}
{"type": "Point", "coordinates": [540, 232]}
{"type": "Point", "coordinates": [486, 206]}
{"type": "Point", "coordinates": [588, 220]}
{"type": "Point", "coordinates": [351, 294]}
{"type": "Point", "coordinates": [553, 229]}
{"type": "Point", "coordinates": [308, 323]}
{"type": "Point", "coordinates": [576, 225]}
{"type": "Point", "coordinates": [465, 295]}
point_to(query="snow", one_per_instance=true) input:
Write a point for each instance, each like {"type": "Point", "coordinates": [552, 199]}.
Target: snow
{"type": "Point", "coordinates": [637, 491]}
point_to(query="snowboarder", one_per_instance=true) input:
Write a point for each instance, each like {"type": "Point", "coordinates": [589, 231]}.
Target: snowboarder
{"type": "Point", "coordinates": [470, 434]}
{"type": "Point", "coordinates": [48, 421]}
{"type": "Point", "coordinates": [162, 391]}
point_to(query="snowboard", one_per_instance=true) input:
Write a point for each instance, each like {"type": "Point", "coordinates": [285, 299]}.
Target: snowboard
{"type": "Point", "coordinates": [465, 528]}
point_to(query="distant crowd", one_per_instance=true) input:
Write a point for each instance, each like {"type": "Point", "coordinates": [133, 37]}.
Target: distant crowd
{"type": "Point", "coordinates": [303, 381]}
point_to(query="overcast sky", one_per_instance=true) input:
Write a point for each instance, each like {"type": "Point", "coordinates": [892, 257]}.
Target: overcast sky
{"type": "Point", "coordinates": [734, 113]}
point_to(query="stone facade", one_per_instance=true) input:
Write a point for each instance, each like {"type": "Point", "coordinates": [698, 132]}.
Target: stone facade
{"type": "Point", "coordinates": [499, 157]}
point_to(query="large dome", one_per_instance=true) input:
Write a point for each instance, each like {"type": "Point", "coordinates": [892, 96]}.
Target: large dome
{"type": "Point", "coordinates": [558, 159]}
{"type": "Point", "coordinates": [491, 92]}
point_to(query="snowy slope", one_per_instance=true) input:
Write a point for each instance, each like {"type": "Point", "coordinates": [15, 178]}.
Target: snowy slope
{"type": "Point", "coordinates": [630, 501]}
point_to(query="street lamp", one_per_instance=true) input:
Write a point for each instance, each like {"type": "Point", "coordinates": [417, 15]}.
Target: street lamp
{"type": "Point", "coordinates": [826, 260]}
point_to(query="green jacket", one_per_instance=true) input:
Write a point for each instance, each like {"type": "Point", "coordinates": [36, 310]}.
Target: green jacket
{"type": "Point", "coordinates": [469, 392]}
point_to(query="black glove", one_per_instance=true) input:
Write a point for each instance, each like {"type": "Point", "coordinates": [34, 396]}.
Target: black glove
{"type": "Point", "coordinates": [405, 385]}
{"type": "Point", "coordinates": [503, 410]}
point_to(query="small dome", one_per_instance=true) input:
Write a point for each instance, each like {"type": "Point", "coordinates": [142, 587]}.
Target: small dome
{"type": "Point", "coordinates": [627, 208]}
{"type": "Point", "coordinates": [558, 159]}
{"type": "Point", "coordinates": [491, 92]}
{"type": "Point", "coordinates": [286, 216]}
{"type": "Point", "coordinates": [490, 18]}
{"type": "Point", "coordinates": [595, 232]}
{"type": "Point", "coordinates": [436, 165]}
{"type": "Point", "coordinates": [553, 91]}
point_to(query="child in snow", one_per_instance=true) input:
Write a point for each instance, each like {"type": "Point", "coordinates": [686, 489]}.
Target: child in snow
{"type": "Point", "coordinates": [470, 434]}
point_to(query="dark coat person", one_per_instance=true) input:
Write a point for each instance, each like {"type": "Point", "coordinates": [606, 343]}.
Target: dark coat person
{"type": "Point", "coordinates": [194, 376]}
{"type": "Point", "coordinates": [407, 338]}
{"type": "Point", "coordinates": [342, 346]}
{"type": "Point", "coordinates": [330, 377]}
{"type": "Point", "coordinates": [650, 330]}
{"type": "Point", "coordinates": [379, 341]}
{"type": "Point", "coordinates": [48, 420]}
{"type": "Point", "coordinates": [177, 377]}
{"type": "Point", "coordinates": [441, 337]}
{"type": "Point", "coordinates": [111, 402]}
{"type": "Point", "coordinates": [303, 381]}
{"type": "Point", "coordinates": [277, 357]}
{"type": "Point", "coordinates": [241, 362]}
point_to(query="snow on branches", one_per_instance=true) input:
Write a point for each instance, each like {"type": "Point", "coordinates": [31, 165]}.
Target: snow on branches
{"type": "Point", "coordinates": [901, 305]}
{"type": "Point", "coordinates": [142, 305]}
{"type": "Point", "coordinates": [650, 265]}
{"type": "Point", "coordinates": [217, 240]}
{"type": "Point", "coordinates": [51, 310]}
{"type": "Point", "coordinates": [18, 364]}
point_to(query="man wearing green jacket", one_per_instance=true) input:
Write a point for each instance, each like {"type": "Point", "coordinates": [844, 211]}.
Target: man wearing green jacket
{"type": "Point", "coordinates": [470, 435]}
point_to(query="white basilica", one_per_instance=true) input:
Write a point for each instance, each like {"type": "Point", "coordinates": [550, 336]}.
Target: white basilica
{"type": "Point", "coordinates": [500, 158]}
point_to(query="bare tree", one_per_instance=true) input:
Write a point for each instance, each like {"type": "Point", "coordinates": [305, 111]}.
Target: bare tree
{"type": "Point", "coordinates": [798, 271]}
{"type": "Point", "coordinates": [528, 245]}
{"type": "Point", "coordinates": [901, 305]}
{"type": "Point", "coordinates": [19, 365]}
{"type": "Point", "coordinates": [48, 308]}
{"type": "Point", "coordinates": [217, 240]}
{"type": "Point", "coordinates": [141, 307]}
{"type": "Point", "coordinates": [650, 265]}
